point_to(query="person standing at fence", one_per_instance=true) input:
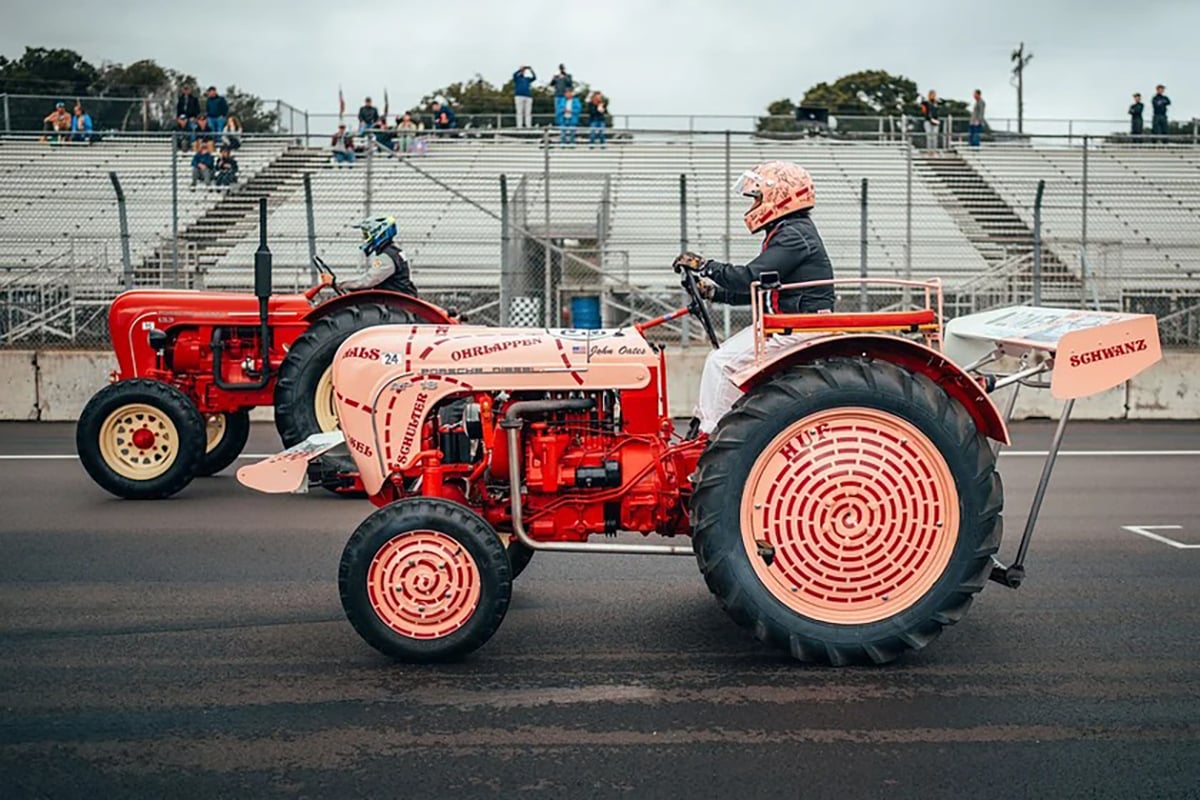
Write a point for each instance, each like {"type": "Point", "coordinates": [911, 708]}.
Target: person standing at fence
{"type": "Point", "coordinates": [523, 95]}
{"type": "Point", "coordinates": [1136, 110]}
{"type": "Point", "coordinates": [1159, 103]}
{"type": "Point", "coordinates": [561, 83]}
{"type": "Point", "coordinates": [978, 111]}
{"type": "Point", "coordinates": [187, 106]}
{"type": "Point", "coordinates": [368, 117]}
{"type": "Point", "coordinates": [597, 119]}
{"type": "Point", "coordinates": [444, 118]}
{"type": "Point", "coordinates": [216, 108]}
{"type": "Point", "coordinates": [343, 146]}
{"type": "Point", "coordinates": [929, 117]}
{"type": "Point", "coordinates": [570, 117]}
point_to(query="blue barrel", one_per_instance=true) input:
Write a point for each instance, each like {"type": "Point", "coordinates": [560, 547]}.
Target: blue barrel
{"type": "Point", "coordinates": [585, 313]}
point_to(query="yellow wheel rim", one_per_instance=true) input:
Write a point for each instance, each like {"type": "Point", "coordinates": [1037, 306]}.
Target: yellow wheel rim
{"type": "Point", "coordinates": [139, 442]}
{"type": "Point", "coordinates": [214, 429]}
{"type": "Point", "coordinates": [323, 404]}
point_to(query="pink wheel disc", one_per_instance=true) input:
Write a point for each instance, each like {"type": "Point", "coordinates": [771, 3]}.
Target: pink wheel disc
{"type": "Point", "coordinates": [423, 584]}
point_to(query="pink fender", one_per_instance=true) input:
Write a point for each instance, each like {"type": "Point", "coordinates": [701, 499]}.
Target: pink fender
{"type": "Point", "coordinates": [906, 353]}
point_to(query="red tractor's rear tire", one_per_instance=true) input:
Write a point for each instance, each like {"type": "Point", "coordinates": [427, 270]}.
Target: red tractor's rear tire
{"type": "Point", "coordinates": [140, 439]}
{"type": "Point", "coordinates": [226, 437]}
{"type": "Point", "coordinates": [846, 511]}
{"type": "Point", "coordinates": [301, 392]}
{"type": "Point", "coordinates": [425, 579]}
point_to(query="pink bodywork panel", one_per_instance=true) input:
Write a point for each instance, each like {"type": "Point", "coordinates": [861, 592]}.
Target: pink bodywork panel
{"type": "Point", "coordinates": [1092, 360]}
{"type": "Point", "coordinates": [388, 378]}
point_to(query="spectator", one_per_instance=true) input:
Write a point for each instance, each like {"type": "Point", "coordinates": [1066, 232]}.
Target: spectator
{"type": "Point", "coordinates": [203, 164]}
{"type": "Point", "coordinates": [597, 111]}
{"type": "Point", "coordinates": [570, 116]}
{"type": "Point", "coordinates": [929, 113]}
{"type": "Point", "coordinates": [444, 118]}
{"type": "Point", "coordinates": [406, 131]}
{"type": "Point", "coordinates": [58, 120]}
{"type": "Point", "coordinates": [1160, 101]}
{"type": "Point", "coordinates": [1136, 124]}
{"type": "Point", "coordinates": [81, 125]}
{"type": "Point", "coordinates": [523, 95]}
{"type": "Point", "coordinates": [978, 111]}
{"type": "Point", "coordinates": [185, 134]}
{"type": "Point", "coordinates": [368, 117]}
{"type": "Point", "coordinates": [203, 134]}
{"type": "Point", "coordinates": [343, 146]}
{"type": "Point", "coordinates": [561, 83]}
{"type": "Point", "coordinates": [216, 109]}
{"type": "Point", "coordinates": [233, 132]}
{"type": "Point", "coordinates": [227, 167]}
{"type": "Point", "coordinates": [188, 105]}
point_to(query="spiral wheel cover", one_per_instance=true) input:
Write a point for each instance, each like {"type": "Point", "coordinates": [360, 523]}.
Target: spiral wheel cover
{"type": "Point", "coordinates": [850, 515]}
{"type": "Point", "coordinates": [423, 584]}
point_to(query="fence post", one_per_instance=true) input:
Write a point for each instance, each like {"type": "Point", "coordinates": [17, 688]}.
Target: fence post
{"type": "Point", "coordinates": [506, 277]}
{"type": "Point", "coordinates": [683, 248]}
{"type": "Point", "coordinates": [906, 295]}
{"type": "Point", "coordinates": [725, 310]}
{"type": "Point", "coordinates": [1037, 243]}
{"type": "Point", "coordinates": [862, 251]}
{"type": "Point", "coordinates": [369, 177]}
{"type": "Point", "coordinates": [1083, 225]}
{"type": "Point", "coordinates": [126, 260]}
{"type": "Point", "coordinates": [311, 223]}
{"type": "Point", "coordinates": [547, 273]}
{"type": "Point", "coordinates": [7, 122]}
{"type": "Point", "coordinates": [949, 132]}
{"type": "Point", "coordinates": [174, 143]}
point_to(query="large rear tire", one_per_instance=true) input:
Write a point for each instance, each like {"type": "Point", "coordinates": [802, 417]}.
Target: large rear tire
{"type": "Point", "coordinates": [425, 579]}
{"type": "Point", "coordinates": [304, 391]}
{"type": "Point", "coordinates": [226, 435]}
{"type": "Point", "coordinates": [140, 439]}
{"type": "Point", "coordinates": [846, 511]}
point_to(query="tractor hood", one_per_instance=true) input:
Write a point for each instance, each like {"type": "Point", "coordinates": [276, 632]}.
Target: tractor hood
{"type": "Point", "coordinates": [387, 378]}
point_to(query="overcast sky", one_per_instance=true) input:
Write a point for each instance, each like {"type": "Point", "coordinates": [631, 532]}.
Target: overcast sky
{"type": "Point", "coordinates": [664, 56]}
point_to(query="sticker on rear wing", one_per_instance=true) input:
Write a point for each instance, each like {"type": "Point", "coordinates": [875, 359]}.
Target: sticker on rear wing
{"type": "Point", "coordinates": [288, 471]}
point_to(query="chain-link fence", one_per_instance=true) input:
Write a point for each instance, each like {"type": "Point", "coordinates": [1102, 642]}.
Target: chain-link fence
{"type": "Point", "coordinates": [544, 227]}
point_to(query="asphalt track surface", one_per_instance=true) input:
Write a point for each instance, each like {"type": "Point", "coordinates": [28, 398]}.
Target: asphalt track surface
{"type": "Point", "coordinates": [196, 647]}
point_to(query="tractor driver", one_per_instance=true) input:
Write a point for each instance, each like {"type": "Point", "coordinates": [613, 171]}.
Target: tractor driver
{"type": "Point", "coordinates": [783, 195]}
{"type": "Point", "coordinates": [388, 269]}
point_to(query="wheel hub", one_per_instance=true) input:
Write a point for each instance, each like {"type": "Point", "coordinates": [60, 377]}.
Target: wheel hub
{"type": "Point", "coordinates": [858, 511]}
{"type": "Point", "coordinates": [143, 438]}
{"type": "Point", "coordinates": [423, 584]}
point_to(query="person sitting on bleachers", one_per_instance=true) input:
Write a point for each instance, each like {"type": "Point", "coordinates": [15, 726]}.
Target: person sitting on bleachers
{"type": "Point", "coordinates": [343, 146]}
{"type": "Point", "coordinates": [58, 120]}
{"type": "Point", "coordinates": [81, 125]}
{"type": "Point", "coordinates": [204, 135]}
{"type": "Point", "coordinates": [185, 134]}
{"type": "Point", "coordinates": [203, 164]}
{"type": "Point", "coordinates": [227, 167]}
{"type": "Point", "coordinates": [233, 132]}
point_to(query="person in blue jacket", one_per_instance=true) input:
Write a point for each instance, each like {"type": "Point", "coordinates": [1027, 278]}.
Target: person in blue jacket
{"type": "Point", "coordinates": [81, 125]}
{"type": "Point", "coordinates": [523, 95]}
{"type": "Point", "coordinates": [570, 117]}
{"type": "Point", "coordinates": [216, 108]}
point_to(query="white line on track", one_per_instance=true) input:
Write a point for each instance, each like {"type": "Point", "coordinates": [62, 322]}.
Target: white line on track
{"type": "Point", "coordinates": [1010, 453]}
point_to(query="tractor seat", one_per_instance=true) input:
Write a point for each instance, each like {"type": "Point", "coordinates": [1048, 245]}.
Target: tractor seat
{"type": "Point", "coordinates": [905, 321]}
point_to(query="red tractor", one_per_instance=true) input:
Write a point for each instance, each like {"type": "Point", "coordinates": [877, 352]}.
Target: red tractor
{"type": "Point", "coordinates": [191, 365]}
{"type": "Point", "coordinates": [845, 510]}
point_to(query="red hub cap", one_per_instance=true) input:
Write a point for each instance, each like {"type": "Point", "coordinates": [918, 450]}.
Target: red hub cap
{"type": "Point", "coordinates": [423, 584]}
{"type": "Point", "coordinates": [143, 438]}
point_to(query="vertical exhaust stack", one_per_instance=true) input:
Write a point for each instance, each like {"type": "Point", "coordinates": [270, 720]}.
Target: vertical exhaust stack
{"type": "Point", "coordinates": [262, 286]}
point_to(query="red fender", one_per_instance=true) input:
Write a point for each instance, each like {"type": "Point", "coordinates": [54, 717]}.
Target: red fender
{"type": "Point", "coordinates": [908, 354]}
{"type": "Point", "coordinates": [423, 311]}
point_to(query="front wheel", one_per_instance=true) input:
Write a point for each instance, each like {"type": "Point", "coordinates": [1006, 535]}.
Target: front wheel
{"type": "Point", "coordinates": [425, 579]}
{"type": "Point", "coordinates": [846, 511]}
{"type": "Point", "coordinates": [140, 439]}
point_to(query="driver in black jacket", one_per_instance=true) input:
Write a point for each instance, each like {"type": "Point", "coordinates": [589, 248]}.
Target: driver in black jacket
{"type": "Point", "coordinates": [388, 268]}
{"type": "Point", "coordinates": [783, 196]}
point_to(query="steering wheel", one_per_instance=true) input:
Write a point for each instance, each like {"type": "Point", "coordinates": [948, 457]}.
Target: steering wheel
{"type": "Point", "coordinates": [698, 308]}
{"type": "Point", "coordinates": [325, 269]}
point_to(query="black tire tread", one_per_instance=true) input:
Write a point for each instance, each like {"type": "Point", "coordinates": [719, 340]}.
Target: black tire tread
{"type": "Point", "coordinates": [827, 378]}
{"type": "Point", "coordinates": [237, 433]}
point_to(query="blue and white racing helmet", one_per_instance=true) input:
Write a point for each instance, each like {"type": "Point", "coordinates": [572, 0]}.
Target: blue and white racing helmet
{"type": "Point", "coordinates": [377, 232]}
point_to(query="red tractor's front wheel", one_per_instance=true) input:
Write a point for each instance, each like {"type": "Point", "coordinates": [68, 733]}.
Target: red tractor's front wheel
{"type": "Point", "coordinates": [425, 580]}
{"type": "Point", "coordinates": [846, 511]}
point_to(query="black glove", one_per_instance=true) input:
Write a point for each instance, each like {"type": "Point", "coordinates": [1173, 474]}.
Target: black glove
{"type": "Point", "coordinates": [693, 261]}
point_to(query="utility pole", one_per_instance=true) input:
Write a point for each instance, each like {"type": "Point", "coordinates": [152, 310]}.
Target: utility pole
{"type": "Point", "coordinates": [1020, 60]}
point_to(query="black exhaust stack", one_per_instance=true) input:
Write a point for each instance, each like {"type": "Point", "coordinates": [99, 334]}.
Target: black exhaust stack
{"type": "Point", "coordinates": [262, 290]}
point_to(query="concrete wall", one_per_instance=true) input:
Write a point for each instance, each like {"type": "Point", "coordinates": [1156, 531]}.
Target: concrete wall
{"type": "Point", "coordinates": [55, 385]}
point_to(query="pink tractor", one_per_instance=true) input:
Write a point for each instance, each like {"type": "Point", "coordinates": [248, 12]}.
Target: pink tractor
{"type": "Point", "coordinates": [846, 509]}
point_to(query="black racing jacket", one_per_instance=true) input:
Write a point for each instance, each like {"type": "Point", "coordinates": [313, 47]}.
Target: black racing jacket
{"type": "Point", "coordinates": [1160, 103]}
{"type": "Point", "coordinates": [792, 248]}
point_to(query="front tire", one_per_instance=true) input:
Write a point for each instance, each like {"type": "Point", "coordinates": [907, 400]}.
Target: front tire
{"type": "Point", "coordinates": [226, 435]}
{"type": "Point", "coordinates": [846, 511]}
{"type": "Point", "coordinates": [425, 579]}
{"type": "Point", "coordinates": [304, 402]}
{"type": "Point", "coordinates": [140, 439]}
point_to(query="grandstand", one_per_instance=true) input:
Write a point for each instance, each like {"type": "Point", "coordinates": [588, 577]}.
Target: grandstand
{"type": "Point", "coordinates": [965, 215]}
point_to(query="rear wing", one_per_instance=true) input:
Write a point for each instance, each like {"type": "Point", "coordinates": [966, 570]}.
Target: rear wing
{"type": "Point", "coordinates": [1086, 352]}
{"type": "Point", "coordinates": [288, 471]}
